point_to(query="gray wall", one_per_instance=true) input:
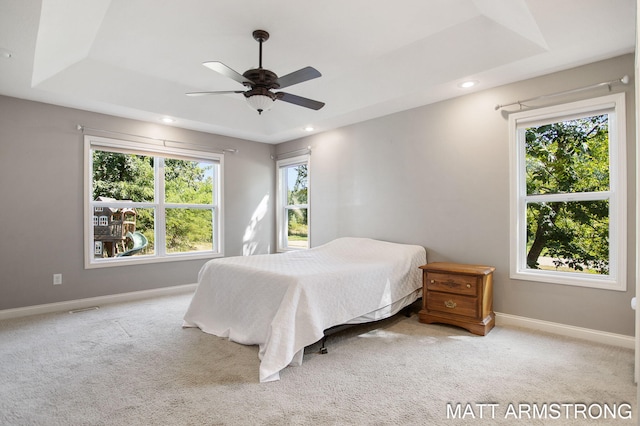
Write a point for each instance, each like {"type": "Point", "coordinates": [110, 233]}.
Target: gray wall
{"type": "Point", "coordinates": [41, 205]}
{"type": "Point", "coordinates": [438, 176]}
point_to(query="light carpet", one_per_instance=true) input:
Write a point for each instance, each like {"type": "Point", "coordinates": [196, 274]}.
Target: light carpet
{"type": "Point", "coordinates": [133, 364]}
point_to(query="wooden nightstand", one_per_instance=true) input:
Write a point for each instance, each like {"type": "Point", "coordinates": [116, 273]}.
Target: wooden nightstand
{"type": "Point", "coordinates": [458, 294]}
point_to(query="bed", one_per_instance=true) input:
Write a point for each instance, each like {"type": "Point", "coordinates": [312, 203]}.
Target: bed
{"type": "Point", "coordinates": [285, 302]}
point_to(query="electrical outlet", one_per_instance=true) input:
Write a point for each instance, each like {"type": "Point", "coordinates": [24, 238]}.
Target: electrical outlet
{"type": "Point", "coordinates": [57, 279]}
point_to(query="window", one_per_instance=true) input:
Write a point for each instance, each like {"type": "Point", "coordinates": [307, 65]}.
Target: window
{"type": "Point", "coordinates": [149, 203]}
{"type": "Point", "coordinates": [568, 194]}
{"type": "Point", "coordinates": [293, 203]}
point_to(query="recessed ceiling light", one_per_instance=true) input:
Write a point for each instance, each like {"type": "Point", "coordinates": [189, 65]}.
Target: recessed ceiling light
{"type": "Point", "coordinates": [467, 84]}
{"type": "Point", "coordinates": [309, 129]}
{"type": "Point", "coordinates": [167, 120]}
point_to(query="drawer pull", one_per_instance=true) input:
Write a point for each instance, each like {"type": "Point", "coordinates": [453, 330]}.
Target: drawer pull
{"type": "Point", "coordinates": [433, 281]}
{"type": "Point", "coordinates": [450, 304]}
{"type": "Point", "coordinates": [468, 285]}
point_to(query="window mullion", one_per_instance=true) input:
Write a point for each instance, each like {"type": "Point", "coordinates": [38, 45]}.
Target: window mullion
{"type": "Point", "coordinates": [160, 216]}
{"type": "Point", "coordinates": [567, 197]}
{"type": "Point", "coordinates": [188, 206]}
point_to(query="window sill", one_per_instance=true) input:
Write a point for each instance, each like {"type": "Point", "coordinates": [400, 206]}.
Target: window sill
{"type": "Point", "coordinates": [572, 279]}
{"type": "Point", "coordinates": [143, 260]}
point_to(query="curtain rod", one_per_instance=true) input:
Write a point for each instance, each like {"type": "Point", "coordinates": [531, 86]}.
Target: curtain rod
{"type": "Point", "coordinates": [623, 80]}
{"type": "Point", "coordinates": [82, 128]}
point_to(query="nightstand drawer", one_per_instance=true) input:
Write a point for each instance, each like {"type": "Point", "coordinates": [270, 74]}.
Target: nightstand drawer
{"type": "Point", "coordinates": [452, 304]}
{"type": "Point", "coordinates": [458, 284]}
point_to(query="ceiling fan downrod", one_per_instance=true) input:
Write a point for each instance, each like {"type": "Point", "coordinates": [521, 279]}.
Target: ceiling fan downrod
{"type": "Point", "coordinates": [260, 36]}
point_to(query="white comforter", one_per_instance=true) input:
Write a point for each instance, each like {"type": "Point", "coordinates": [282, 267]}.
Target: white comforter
{"type": "Point", "coordinates": [284, 302]}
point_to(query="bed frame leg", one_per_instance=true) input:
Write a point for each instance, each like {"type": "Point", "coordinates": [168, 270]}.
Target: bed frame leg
{"type": "Point", "coordinates": [323, 348]}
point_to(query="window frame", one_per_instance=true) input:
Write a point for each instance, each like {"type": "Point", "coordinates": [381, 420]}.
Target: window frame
{"type": "Point", "coordinates": [160, 151]}
{"type": "Point", "coordinates": [614, 105]}
{"type": "Point", "coordinates": [281, 198]}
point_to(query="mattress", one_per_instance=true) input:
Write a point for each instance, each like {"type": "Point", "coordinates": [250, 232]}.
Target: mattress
{"type": "Point", "coordinates": [284, 302]}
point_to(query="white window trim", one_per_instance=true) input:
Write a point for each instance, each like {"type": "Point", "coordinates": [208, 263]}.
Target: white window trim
{"type": "Point", "coordinates": [151, 148]}
{"type": "Point", "coordinates": [281, 197]}
{"type": "Point", "coordinates": [617, 280]}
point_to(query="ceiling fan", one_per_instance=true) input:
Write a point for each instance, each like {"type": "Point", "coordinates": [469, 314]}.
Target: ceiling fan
{"type": "Point", "coordinates": [261, 82]}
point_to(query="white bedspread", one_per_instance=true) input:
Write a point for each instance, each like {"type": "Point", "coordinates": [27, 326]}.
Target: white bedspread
{"type": "Point", "coordinates": [284, 302]}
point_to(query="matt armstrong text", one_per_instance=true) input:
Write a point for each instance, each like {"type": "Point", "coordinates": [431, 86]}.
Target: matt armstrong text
{"type": "Point", "coordinates": [544, 411]}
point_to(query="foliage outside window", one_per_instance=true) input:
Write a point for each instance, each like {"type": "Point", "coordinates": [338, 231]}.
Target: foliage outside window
{"type": "Point", "coordinates": [146, 203]}
{"type": "Point", "coordinates": [293, 203]}
{"type": "Point", "coordinates": [568, 219]}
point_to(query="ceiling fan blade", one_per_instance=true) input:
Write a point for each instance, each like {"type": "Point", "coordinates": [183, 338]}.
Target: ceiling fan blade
{"type": "Point", "coordinates": [304, 74]}
{"type": "Point", "coordinates": [220, 92]}
{"type": "Point", "coordinates": [221, 68]}
{"type": "Point", "coordinates": [300, 101]}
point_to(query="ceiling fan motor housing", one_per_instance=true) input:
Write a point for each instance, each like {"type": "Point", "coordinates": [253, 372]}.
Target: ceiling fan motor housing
{"type": "Point", "coordinates": [261, 77]}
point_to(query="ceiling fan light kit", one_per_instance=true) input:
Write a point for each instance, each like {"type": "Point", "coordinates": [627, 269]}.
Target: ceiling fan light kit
{"type": "Point", "coordinates": [260, 103]}
{"type": "Point", "coordinates": [261, 82]}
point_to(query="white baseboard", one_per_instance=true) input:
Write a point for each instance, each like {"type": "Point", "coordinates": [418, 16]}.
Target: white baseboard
{"type": "Point", "coordinates": [94, 301]}
{"type": "Point", "coordinates": [567, 330]}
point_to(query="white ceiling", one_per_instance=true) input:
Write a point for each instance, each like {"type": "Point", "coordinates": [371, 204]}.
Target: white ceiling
{"type": "Point", "coordinates": [137, 58]}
